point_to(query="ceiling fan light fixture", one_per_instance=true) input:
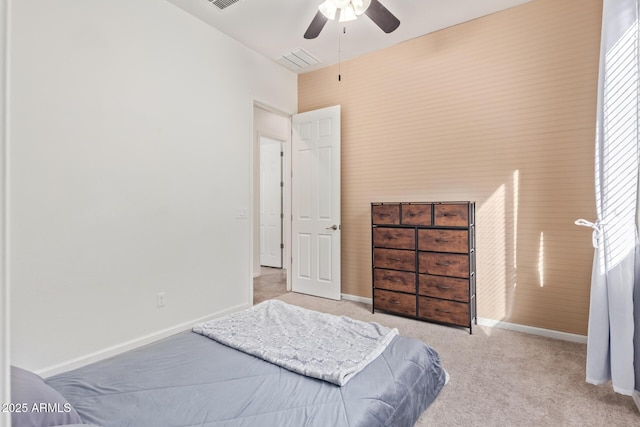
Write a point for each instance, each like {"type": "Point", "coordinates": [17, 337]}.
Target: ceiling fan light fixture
{"type": "Point", "coordinates": [328, 9]}
{"type": "Point", "coordinates": [347, 13]}
{"type": "Point", "coordinates": [360, 6]}
{"type": "Point", "coordinates": [349, 10]}
{"type": "Point", "coordinates": [340, 4]}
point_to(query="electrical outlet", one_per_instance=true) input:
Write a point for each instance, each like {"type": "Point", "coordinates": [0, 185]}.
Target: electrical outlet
{"type": "Point", "coordinates": [160, 299]}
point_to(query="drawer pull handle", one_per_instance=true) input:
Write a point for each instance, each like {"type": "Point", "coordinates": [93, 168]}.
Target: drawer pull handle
{"type": "Point", "coordinates": [443, 264]}
{"type": "Point", "coordinates": [397, 279]}
{"type": "Point", "coordinates": [442, 241]}
{"type": "Point", "coordinates": [395, 259]}
{"type": "Point", "coordinates": [443, 288]}
{"type": "Point", "coordinates": [450, 214]}
{"type": "Point", "coordinates": [394, 301]}
{"type": "Point", "coordinates": [442, 311]}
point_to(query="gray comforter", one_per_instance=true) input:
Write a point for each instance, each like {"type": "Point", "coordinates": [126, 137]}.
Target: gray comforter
{"type": "Point", "coordinates": [191, 380]}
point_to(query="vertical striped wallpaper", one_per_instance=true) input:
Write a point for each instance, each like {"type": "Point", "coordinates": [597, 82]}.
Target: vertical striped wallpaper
{"type": "Point", "coordinates": [499, 110]}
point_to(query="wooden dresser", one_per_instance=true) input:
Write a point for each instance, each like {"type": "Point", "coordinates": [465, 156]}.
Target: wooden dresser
{"type": "Point", "coordinates": [424, 261]}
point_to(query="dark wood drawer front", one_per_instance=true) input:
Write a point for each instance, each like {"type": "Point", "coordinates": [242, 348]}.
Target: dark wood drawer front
{"type": "Point", "coordinates": [444, 287]}
{"type": "Point", "coordinates": [385, 214]}
{"type": "Point", "coordinates": [394, 259]}
{"type": "Point", "coordinates": [400, 238]}
{"type": "Point", "coordinates": [444, 311]}
{"type": "Point", "coordinates": [444, 264]}
{"type": "Point", "coordinates": [396, 302]}
{"type": "Point", "coordinates": [443, 240]}
{"type": "Point", "coordinates": [394, 280]}
{"type": "Point", "coordinates": [416, 214]}
{"type": "Point", "coordinates": [451, 215]}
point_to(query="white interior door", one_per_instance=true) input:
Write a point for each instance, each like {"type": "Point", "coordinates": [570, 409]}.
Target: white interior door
{"type": "Point", "coordinates": [270, 202]}
{"type": "Point", "coordinates": [315, 197]}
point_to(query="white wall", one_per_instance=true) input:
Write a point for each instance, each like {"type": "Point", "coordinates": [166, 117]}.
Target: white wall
{"type": "Point", "coordinates": [4, 287]}
{"type": "Point", "coordinates": [130, 152]}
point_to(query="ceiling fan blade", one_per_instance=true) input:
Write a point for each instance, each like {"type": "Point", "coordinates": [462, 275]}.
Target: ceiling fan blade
{"type": "Point", "coordinates": [316, 26]}
{"type": "Point", "coordinates": [382, 17]}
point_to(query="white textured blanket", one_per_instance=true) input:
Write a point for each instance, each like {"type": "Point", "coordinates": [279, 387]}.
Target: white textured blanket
{"type": "Point", "coordinates": [319, 345]}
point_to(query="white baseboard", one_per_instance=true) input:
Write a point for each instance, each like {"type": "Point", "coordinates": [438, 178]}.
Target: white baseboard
{"type": "Point", "coordinates": [503, 325]}
{"type": "Point", "coordinates": [356, 298]}
{"type": "Point", "coordinates": [130, 345]}
{"type": "Point", "coordinates": [549, 333]}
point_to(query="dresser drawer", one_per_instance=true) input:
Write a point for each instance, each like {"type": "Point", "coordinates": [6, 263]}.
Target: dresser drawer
{"type": "Point", "coordinates": [443, 240]}
{"type": "Point", "coordinates": [385, 214]}
{"type": "Point", "coordinates": [394, 280]}
{"type": "Point", "coordinates": [442, 287]}
{"type": "Point", "coordinates": [451, 215]}
{"type": "Point", "coordinates": [398, 238]}
{"type": "Point", "coordinates": [444, 264]}
{"type": "Point", "coordinates": [395, 302]}
{"type": "Point", "coordinates": [416, 214]}
{"type": "Point", "coordinates": [395, 259]}
{"type": "Point", "coordinates": [444, 311]}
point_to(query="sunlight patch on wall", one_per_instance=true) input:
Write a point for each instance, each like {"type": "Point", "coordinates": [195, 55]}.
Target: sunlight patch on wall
{"type": "Point", "coordinates": [516, 199]}
{"type": "Point", "coordinates": [541, 260]}
{"type": "Point", "coordinates": [492, 256]}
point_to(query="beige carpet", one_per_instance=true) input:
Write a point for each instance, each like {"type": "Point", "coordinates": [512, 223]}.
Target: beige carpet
{"type": "Point", "coordinates": [500, 377]}
{"type": "Point", "coordinates": [271, 283]}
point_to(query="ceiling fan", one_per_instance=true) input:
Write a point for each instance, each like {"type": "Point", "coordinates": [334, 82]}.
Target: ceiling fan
{"type": "Point", "coordinates": [348, 10]}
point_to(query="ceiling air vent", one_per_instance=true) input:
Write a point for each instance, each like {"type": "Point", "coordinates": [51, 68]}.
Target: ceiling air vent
{"type": "Point", "coordinates": [222, 4]}
{"type": "Point", "coordinates": [298, 59]}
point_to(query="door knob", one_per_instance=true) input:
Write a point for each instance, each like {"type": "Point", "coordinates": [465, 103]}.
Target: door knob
{"type": "Point", "coordinates": [333, 227]}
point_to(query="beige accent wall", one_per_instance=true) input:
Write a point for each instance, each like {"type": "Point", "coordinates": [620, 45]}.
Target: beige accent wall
{"type": "Point", "coordinates": [500, 110]}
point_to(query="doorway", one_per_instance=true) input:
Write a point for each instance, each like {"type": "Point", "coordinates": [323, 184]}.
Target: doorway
{"type": "Point", "coordinates": [316, 266]}
{"type": "Point", "coordinates": [271, 178]}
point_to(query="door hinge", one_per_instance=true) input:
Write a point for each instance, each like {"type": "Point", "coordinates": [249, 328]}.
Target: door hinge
{"type": "Point", "coordinates": [281, 183]}
{"type": "Point", "coordinates": [282, 154]}
{"type": "Point", "coordinates": [281, 245]}
{"type": "Point", "coordinates": [281, 216]}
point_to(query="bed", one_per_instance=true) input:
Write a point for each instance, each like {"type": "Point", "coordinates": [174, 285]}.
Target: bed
{"type": "Point", "coordinates": [191, 380]}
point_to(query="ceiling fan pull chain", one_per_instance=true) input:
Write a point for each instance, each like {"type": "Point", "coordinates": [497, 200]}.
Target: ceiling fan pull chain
{"type": "Point", "coordinates": [344, 31]}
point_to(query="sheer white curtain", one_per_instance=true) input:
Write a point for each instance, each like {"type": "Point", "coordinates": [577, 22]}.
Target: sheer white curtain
{"type": "Point", "coordinates": [616, 276]}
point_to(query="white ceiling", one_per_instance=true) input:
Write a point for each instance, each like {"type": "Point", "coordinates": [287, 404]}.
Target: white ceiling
{"type": "Point", "coordinates": [275, 27]}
